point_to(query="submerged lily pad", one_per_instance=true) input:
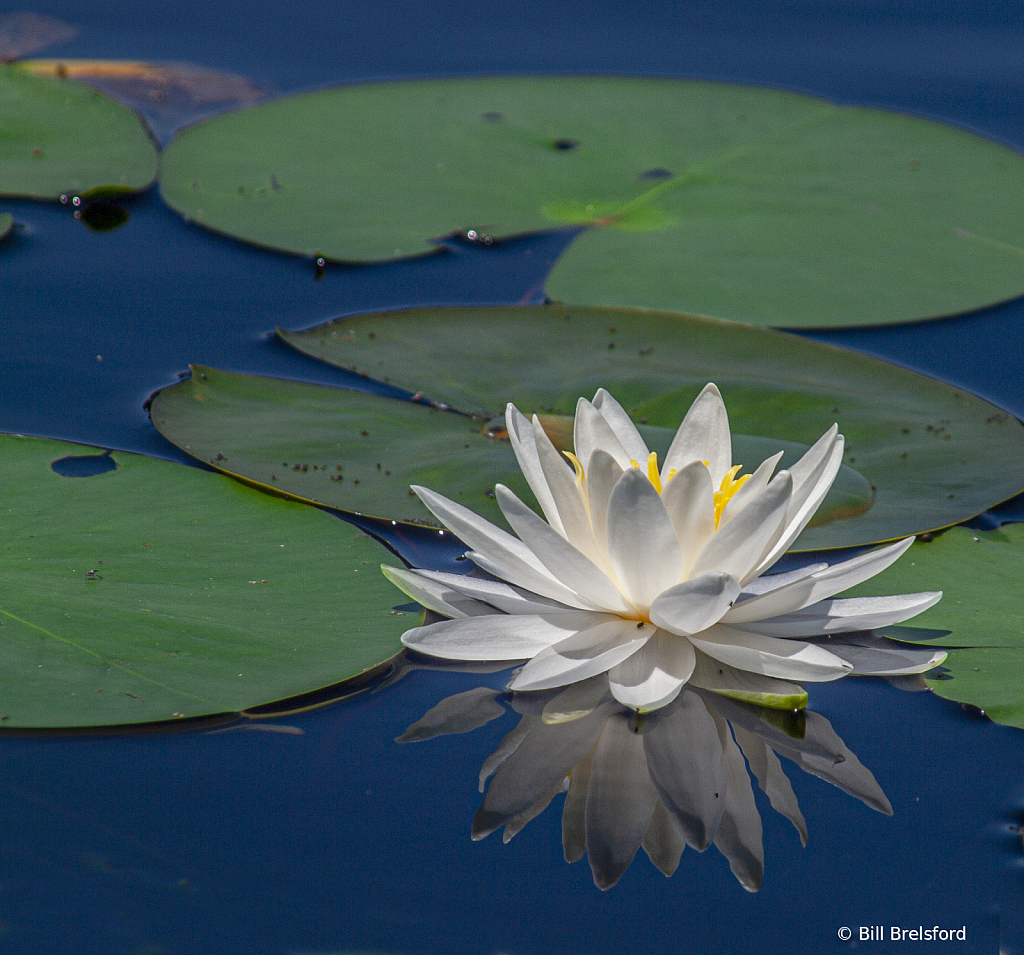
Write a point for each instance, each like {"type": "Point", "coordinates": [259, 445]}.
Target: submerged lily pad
{"type": "Point", "coordinates": [154, 591]}
{"type": "Point", "coordinates": [935, 456]}
{"type": "Point", "coordinates": [61, 137]}
{"type": "Point", "coordinates": [755, 205]}
{"type": "Point", "coordinates": [980, 575]}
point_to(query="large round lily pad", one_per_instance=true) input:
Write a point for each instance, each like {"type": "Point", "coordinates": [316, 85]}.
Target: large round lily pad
{"type": "Point", "coordinates": [154, 591]}
{"type": "Point", "coordinates": [935, 456]}
{"type": "Point", "coordinates": [751, 204]}
{"type": "Point", "coordinates": [980, 575]}
{"type": "Point", "coordinates": [356, 452]}
{"type": "Point", "coordinates": [59, 136]}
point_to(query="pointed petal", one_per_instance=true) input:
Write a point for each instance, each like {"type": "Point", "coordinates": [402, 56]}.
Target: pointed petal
{"type": "Point", "coordinates": [774, 783]}
{"type": "Point", "coordinates": [872, 655]}
{"type": "Point", "coordinates": [739, 835]}
{"type": "Point", "coordinates": [752, 486]}
{"type": "Point", "coordinates": [703, 436]}
{"type": "Point", "coordinates": [695, 604]}
{"type": "Point", "coordinates": [663, 841]}
{"type": "Point", "coordinates": [521, 436]}
{"type": "Point", "coordinates": [574, 520]}
{"type": "Point", "coordinates": [622, 425]}
{"type": "Point", "coordinates": [498, 636]}
{"type": "Point", "coordinates": [584, 654]}
{"type": "Point", "coordinates": [434, 595]}
{"type": "Point", "coordinates": [591, 431]}
{"type": "Point", "coordinates": [642, 543]}
{"type": "Point", "coordinates": [503, 554]}
{"type": "Point", "coordinates": [846, 614]}
{"type": "Point", "coordinates": [574, 812]}
{"type": "Point", "coordinates": [508, 745]}
{"type": "Point", "coordinates": [737, 547]}
{"type": "Point", "coordinates": [817, 586]}
{"type": "Point", "coordinates": [520, 819]}
{"type": "Point", "coordinates": [603, 474]}
{"type": "Point", "coordinates": [761, 585]}
{"type": "Point", "coordinates": [653, 676]}
{"type": "Point", "coordinates": [620, 801]}
{"type": "Point", "coordinates": [573, 570]}
{"type": "Point", "coordinates": [499, 595]}
{"type": "Point", "coordinates": [684, 759]}
{"type": "Point", "coordinates": [807, 497]}
{"type": "Point", "coordinates": [689, 499]}
{"type": "Point", "coordinates": [460, 713]}
{"type": "Point", "coordinates": [784, 659]}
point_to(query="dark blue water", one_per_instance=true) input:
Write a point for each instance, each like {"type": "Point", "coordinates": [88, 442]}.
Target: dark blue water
{"type": "Point", "coordinates": [334, 838]}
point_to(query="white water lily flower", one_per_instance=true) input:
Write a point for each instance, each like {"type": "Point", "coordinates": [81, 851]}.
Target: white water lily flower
{"type": "Point", "coordinates": [647, 574]}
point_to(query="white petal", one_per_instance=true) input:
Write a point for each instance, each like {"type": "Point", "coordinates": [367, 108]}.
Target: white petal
{"type": "Point", "coordinates": [522, 438]}
{"type": "Point", "coordinates": [642, 543]}
{"type": "Point", "coordinates": [505, 597]}
{"type": "Point", "coordinates": [752, 486]}
{"type": "Point", "coordinates": [602, 476]}
{"type": "Point", "coordinates": [725, 680]}
{"type": "Point", "coordinates": [505, 556]}
{"type": "Point", "coordinates": [819, 585]}
{"type": "Point", "coordinates": [434, 595]}
{"type": "Point", "coordinates": [844, 615]}
{"type": "Point", "coordinates": [703, 436]}
{"type": "Point", "coordinates": [576, 700]}
{"type": "Point", "coordinates": [872, 655]}
{"type": "Point", "coordinates": [785, 659]}
{"type": "Point", "coordinates": [737, 547]}
{"type": "Point", "coordinates": [689, 499]}
{"type": "Point", "coordinates": [574, 570]}
{"type": "Point", "coordinates": [591, 431]}
{"type": "Point", "coordinates": [574, 520]}
{"type": "Point", "coordinates": [460, 713]}
{"type": "Point", "coordinates": [653, 676]}
{"type": "Point", "coordinates": [574, 811]}
{"type": "Point", "coordinates": [696, 604]}
{"type": "Point", "coordinates": [582, 655]}
{"type": "Point", "coordinates": [803, 506]}
{"type": "Point", "coordinates": [761, 585]}
{"type": "Point", "coordinates": [622, 425]}
{"type": "Point", "coordinates": [497, 637]}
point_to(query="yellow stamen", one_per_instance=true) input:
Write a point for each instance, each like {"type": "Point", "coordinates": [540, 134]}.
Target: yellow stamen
{"type": "Point", "coordinates": [652, 471]}
{"type": "Point", "coordinates": [730, 485]}
{"type": "Point", "coordinates": [576, 464]}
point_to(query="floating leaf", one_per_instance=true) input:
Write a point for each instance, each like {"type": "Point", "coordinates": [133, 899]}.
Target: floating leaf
{"type": "Point", "coordinates": [169, 95]}
{"type": "Point", "coordinates": [750, 204]}
{"type": "Point", "coordinates": [935, 456]}
{"type": "Point", "coordinates": [356, 452]}
{"type": "Point", "coordinates": [61, 137]}
{"type": "Point", "coordinates": [155, 590]}
{"type": "Point", "coordinates": [980, 575]}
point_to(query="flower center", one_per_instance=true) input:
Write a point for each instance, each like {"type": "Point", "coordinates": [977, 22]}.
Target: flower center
{"type": "Point", "coordinates": [727, 489]}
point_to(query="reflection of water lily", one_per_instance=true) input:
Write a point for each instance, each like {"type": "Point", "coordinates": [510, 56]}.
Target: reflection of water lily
{"type": "Point", "coordinates": [662, 781]}
{"type": "Point", "coordinates": [653, 576]}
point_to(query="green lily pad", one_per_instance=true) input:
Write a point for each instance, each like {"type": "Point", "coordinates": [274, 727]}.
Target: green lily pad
{"type": "Point", "coordinates": [156, 591]}
{"type": "Point", "coordinates": [750, 204]}
{"type": "Point", "coordinates": [6, 225]}
{"type": "Point", "coordinates": [979, 574]}
{"type": "Point", "coordinates": [356, 452]}
{"type": "Point", "coordinates": [62, 137]}
{"type": "Point", "coordinates": [935, 456]}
